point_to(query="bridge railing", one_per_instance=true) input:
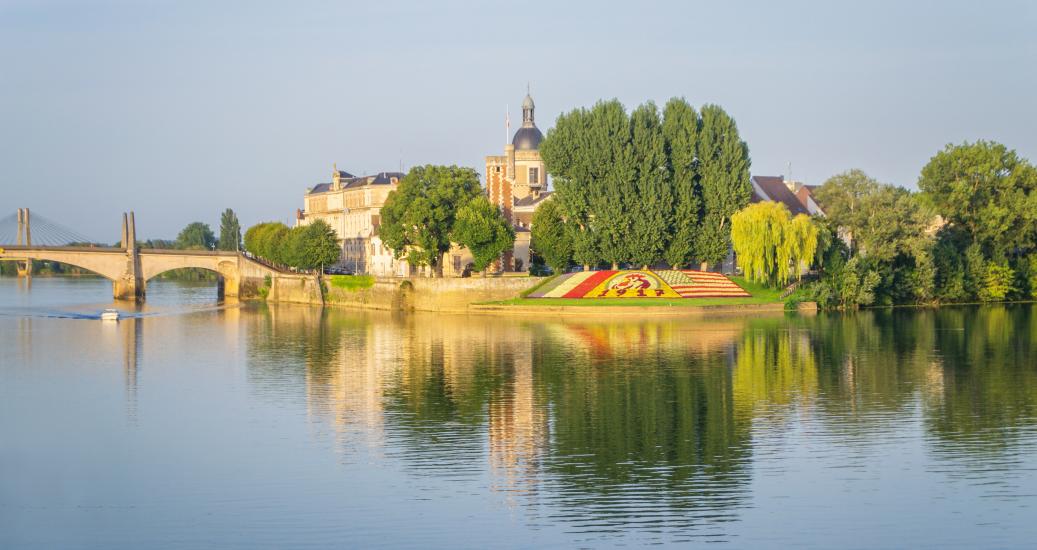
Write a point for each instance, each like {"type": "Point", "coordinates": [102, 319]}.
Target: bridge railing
{"type": "Point", "coordinates": [277, 267]}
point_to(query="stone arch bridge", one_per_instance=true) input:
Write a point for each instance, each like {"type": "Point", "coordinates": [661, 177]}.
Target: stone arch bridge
{"type": "Point", "coordinates": [130, 267]}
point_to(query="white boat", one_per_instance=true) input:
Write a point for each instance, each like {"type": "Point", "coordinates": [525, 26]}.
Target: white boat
{"type": "Point", "coordinates": [110, 315]}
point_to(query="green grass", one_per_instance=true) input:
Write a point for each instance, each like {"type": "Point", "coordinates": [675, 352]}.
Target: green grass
{"type": "Point", "coordinates": [351, 283]}
{"type": "Point", "coordinates": [759, 295]}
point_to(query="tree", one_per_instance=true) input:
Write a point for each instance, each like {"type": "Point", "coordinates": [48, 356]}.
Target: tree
{"type": "Point", "coordinates": [549, 238]}
{"type": "Point", "coordinates": [801, 240]}
{"type": "Point", "coordinates": [759, 233]}
{"type": "Point", "coordinates": [230, 231]}
{"type": "Point", "coordinates": [724, 180]}
{"type": "Point", "coordinates": [418, 217]}
{"type": "Point", "coordinates": [196, 236]}
{"type": "Point", "coordinates": [989, 191]}
{"type": "Point", "coordinates": [481, 227]}
{"type": "Point", "coordinates": [681, 131]}
{"type": "Point", "coordinates": [573, 163]}
{"type": "Point", "coordinates": [842, 196]}
{"type": "Point", "coordinates": [652, 206]}
{"type": "Point", "coordinates": [267, 240]}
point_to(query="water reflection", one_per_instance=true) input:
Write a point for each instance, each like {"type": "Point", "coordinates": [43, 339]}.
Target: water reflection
{"type": "Point", "coordinates": [608, 426]}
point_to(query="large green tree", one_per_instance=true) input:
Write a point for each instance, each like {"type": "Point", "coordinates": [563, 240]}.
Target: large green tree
{"type": "Point", "coordinates": [481, 227]}
{"type": "Point", "coordinates": [651, 195]}
{"type": "Point", "coordinates": [549, 238]}
{"type": "Point", "coordinates": [842, 197]}
{"type": "Point", "coordinates": [230, 231]}
{"type": "Point", "coordinates": [418, 217]}
{"type": "Point", "coordinates": [196, 236]}
{"type": "Point", "coordinates": [681, 130]}
{"type": "Point", "coordinates": [724, 180]}
{"type": "Point", "coordinates": [989, 191]}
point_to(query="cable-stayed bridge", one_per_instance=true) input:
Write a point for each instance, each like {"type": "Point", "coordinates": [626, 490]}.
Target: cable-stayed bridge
{"type": "Point", "coordinates": [26, 236]}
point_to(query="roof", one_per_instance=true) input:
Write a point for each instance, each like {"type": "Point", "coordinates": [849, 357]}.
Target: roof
{"type": "Point", "coordinates": [805, 193]}
{"type": "Point", "coordinates": [532, 200]}
{"type": "Point", "coordinates": [774, 189]}
{"type": "Point", "coordinates": [527, 138]}
{"type": "Point", "coordinates": [352, 182]}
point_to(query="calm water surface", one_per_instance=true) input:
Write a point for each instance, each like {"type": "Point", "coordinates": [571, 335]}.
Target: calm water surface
{"type": "Point", "coordinates": [195, 425]}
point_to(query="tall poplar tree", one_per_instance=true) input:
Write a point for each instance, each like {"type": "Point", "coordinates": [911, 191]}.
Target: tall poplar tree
{"type": "Point", "coordinates": [651, 196]}
{"type": "Point", "coordinates": [230, 231]}
{"type": "Point", "coordinates": [681, 130]}
{"type": "Point", "coordinates": [612, 199]}
{"type": "Point", "coordinates": [572, 162]}
{"type": "Point", "coordinates": [724, 172]}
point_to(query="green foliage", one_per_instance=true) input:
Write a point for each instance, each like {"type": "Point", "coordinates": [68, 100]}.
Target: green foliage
{"type": "Point", "coordinates": [304, 247]}
{"type": "Point", "coordinates": [351, 283]}
{"type": "Point", "coordinates": [801, 241]}
{"type": "Point", "coordinates": [846, 284]}
{"type": "Point", "coordinates": [842, 197]}
{"type": "Point", "coordinates": [230, 231]}
{"type": "Point", "coordinates": [997, 283]}
{"type": "Point", "coordinates": [724, 180]}
{"type": "Point", "coordinates": [481, 227]}
{"type": "Point", "coordinates": [418, 217]}
{"type": "Point", "coordinates": [770, 245]}
{"type": "Point", "coordinates": [314, 245]}
{"type": "Point", "coordinates": [267, 240]}
{"type": "Point", "coordinates": [758, 233]}
{"type": "Point", "coordinates": [549, 239]}
{"type": "Point", "coordinates": [681, 130]}
{"type": "Point", "coordinates": [196, 236]}
{"type": "Point", "coordinates": [642, 188]}
{"type": "Point", "coordinates": [988, 191]}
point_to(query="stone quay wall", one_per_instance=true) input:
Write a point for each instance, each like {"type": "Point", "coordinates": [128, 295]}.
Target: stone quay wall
{"type": "Point", "coordinates": [449, 294]}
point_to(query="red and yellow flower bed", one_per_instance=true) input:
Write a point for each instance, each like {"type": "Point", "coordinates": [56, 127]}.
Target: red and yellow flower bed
{"type": "Point", "coordinates": [670, 283]}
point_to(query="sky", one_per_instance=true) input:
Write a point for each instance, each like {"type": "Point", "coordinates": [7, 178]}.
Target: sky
{"type": "Point", "coordinates": [178, 110]}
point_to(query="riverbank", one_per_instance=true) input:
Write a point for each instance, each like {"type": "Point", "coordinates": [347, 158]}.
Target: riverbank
{"type": "Point", "coordinates": [508, 295]}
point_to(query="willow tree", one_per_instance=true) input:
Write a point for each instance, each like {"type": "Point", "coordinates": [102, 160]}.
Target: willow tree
{"type": "Point", "coordinates": [801, 242]}
{"type": "Point", "coordinates": [724, 180]}
{"type": "Point", "coordinates": [758, 234]}
{"type": "Point", "coordinates": [681, 131]}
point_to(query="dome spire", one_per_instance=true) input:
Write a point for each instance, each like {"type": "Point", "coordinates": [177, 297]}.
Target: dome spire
{"type": "Point", "coordinates": [527, 109]}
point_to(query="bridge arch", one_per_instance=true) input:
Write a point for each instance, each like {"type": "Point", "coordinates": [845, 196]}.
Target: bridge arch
{"type": "Point", "coordinates": [153, 264]}
{"type": "Point", "coordinates": [108, 263]}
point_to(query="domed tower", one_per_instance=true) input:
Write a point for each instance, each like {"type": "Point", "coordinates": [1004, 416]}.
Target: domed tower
{"type": "Point", "coordinates": [516, 182]}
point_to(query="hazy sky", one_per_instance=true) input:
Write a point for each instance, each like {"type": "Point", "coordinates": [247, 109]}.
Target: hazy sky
{"type": "Point", "coordinates": [180, 109]}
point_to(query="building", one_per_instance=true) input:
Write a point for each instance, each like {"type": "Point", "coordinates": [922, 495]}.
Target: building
{"type": "Point", "coordinates": [796, 196]}
{"type": "Point", "coordinates": [351, 205]}
{"type": "Point", "coordinates": [517, 183]}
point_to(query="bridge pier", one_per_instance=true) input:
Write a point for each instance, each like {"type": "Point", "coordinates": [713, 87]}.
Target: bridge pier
{"type": "Point", "coordinates": [24, 239]}
{"type": "Point", "coordinates": [129, 285]}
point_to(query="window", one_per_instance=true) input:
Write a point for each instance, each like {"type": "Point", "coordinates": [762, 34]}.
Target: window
{"type": "Point", "coordinates": [534, 175]}
{"type": "Point", "coordinates": [457, 264]}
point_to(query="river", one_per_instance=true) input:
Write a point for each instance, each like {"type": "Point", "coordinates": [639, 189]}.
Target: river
{"type": "Point", "coordinates": [195, 425]}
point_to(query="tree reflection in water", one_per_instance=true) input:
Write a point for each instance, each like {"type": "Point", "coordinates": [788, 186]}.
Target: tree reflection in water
{"type": "Point", "coordinates": [647, 424]}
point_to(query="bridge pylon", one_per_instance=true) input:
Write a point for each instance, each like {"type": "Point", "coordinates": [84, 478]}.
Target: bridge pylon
{"type": "Point", "coordinates": [129, 285]}
{"type": "Point", "coordinates": [24, 239]}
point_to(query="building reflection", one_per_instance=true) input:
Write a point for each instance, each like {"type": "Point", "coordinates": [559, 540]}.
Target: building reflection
{"type": "Point", "coordinates": [571, 417]}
